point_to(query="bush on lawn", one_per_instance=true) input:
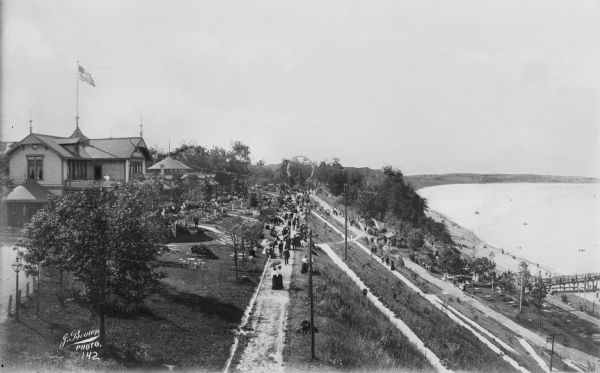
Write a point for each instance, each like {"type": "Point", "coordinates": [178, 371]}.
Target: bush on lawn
{"type": "Point", "coordinates": [203, 252]}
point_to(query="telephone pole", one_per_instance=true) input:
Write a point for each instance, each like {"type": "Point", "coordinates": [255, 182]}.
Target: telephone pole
{"type": "Point", "coordinates": [554, 334]}
{"type": "Point", "coordinates": [345, 224]}
{"type": "Point", "coordinates": [310, 287]}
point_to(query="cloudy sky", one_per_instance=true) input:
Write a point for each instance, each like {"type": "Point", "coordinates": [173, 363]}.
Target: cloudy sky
{"type": "Point", "coordinates": [423, 85]}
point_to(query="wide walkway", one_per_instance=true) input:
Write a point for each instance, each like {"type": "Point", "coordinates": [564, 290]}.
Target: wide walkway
{"type": "Point", "coordinates": [267, 325]}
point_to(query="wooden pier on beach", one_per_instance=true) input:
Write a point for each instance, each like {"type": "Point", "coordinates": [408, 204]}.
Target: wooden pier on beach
{"type": "Point", "coordinates": [573, 283]}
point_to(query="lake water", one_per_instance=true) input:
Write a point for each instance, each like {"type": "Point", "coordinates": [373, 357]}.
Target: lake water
{"type": "Point", "coordinates": [553, 224]}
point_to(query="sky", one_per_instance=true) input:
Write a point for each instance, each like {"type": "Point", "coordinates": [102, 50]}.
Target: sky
{"type": "Point", "coordinates": [426, 86]}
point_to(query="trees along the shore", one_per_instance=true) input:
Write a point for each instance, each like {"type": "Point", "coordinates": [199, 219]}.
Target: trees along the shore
{"type": "Point", "coordinates": [415, 239]}
{"type": "Point", "coordinates": [506, 281]}
{"type": "Point", "coordinates": [493, 270]}
{"type": "Point", "coordinates": [107, 239]}
{"type": "Point", "coordinates": [449, 260]}
{"type": "Point", "coordinates": [523, 279]}
{"type": "Point", "coordinates": [483, 266]}
{"type": "Point", "coordinates": [538, 295]}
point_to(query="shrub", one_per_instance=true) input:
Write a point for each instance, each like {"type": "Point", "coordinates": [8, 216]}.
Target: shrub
{"type": "Point", "coordinates": [203, 252]}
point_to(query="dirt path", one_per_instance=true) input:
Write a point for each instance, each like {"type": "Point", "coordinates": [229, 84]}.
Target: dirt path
{"type": "Point", "coordinates": [267, 325]}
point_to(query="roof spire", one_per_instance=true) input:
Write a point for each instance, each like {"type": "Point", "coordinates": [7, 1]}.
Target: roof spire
{"type": "Point", "coordinates": [30, 123]}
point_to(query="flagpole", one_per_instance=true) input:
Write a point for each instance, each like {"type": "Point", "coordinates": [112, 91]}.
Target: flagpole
{"type": "Point", "coordinates": [77, 101]}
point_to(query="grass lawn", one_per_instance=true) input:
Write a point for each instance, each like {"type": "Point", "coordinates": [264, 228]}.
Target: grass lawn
{"type": "Point", "coordinates": [352, 333]}
{"type": "Point", "coordinates": [573, 331]}
{"type": "Point", "coordinates": [450, 342]}
{"type": "Point", "coordinates": [190, 323]}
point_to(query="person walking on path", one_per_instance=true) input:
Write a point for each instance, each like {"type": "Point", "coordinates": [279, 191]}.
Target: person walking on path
{"type": "Point", "coordinates": [286, 256]}
{"type": "Point", "coordinates": [280, 248]}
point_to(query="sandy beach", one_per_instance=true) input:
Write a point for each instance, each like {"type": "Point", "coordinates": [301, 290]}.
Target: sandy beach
{"type": "Point", "coordinates": [472, 246]}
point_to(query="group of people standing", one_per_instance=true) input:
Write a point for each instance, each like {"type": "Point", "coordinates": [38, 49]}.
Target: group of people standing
{"type": "Point", "coordinates": [290, 238]}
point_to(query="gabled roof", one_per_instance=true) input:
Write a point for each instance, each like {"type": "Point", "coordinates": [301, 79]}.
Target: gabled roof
{"type": "Point", "coordinates": [122, 147]}
{"type": "Point", "coordinates": [31, 191]}
{"type": "Point", "coordinates": [111, 148]}
{"type": "Point", "coordinates": [49, 141]}
{"type": "Point", "coordinates": [169, 164]}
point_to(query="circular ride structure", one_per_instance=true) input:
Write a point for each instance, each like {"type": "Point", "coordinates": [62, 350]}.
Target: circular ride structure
{"type": "Point", "coordinates": [300, 168]}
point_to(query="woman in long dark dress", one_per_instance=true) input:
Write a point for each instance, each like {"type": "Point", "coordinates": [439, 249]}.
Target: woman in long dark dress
{"type": "Point", "coordinates": [279, 278]}
{"type": "Point", "coordinates": [304, 268]}
{"type": "Point", "coordinates": [274, 279]}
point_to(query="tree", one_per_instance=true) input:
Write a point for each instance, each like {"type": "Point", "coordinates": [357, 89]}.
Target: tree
{"type": "Point", "coordinates": [107, 239]}
{"type": "Point", "coordinates": [523, 280]}
{"type": "Point", "coordinates": [239, 231]}
{"type": "Point", "coordinates": [538, 294]}
{"type": "Point", "coordinates": [41, 244]}
{"type": "Point", "coordinates": [450, 260]}
{"type": "Point", "coordinates": [506, 281]}
{"type": "Point", "coordinates": [483, 266]}
{"type": "Point", "coordinates": [415, 239]}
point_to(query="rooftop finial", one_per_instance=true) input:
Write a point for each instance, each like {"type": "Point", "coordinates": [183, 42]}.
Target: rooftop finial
{"type": "Point", "coordinates": [141, 126]}
{"type": "Point", "coordinates": [30, 123]}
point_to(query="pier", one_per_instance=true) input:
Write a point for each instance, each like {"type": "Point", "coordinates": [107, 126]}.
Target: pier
{"type": "Point", "coordinates": [573, 283]}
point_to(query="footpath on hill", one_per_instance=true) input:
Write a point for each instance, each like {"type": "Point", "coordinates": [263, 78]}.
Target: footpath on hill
{"type": "Point", "coordinates": [266, 326]}
{"type": "Point", "coordinates": [267, 323]}
{"type": "Point", "coordinates": [539, 340]}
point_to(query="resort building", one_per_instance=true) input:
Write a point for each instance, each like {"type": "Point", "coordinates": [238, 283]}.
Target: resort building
{"type": "Point", "coordinates": [40, 165]}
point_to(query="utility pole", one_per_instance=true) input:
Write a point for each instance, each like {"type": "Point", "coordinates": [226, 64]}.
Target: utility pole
{"type": "Point", "coordinates": [552, 351]}
{"type": "Point", "coordinates": [345, 224]}
{"type": "Point", "coordinates": [310, 289]}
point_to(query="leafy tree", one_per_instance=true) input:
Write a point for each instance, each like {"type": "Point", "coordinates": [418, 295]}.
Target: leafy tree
{"type": "Point", "coordinates": [415, 239]}
{"type": "Point", "coordinates": [523, 279]}
{"type": "Point", "coordinates": [107, 237]}
{"type": "Point", "coordinates": [538, 294]}
{"type": "Point", "coordinates": [506, 281]}
{"type": "Point", "coordinates": [241, 231]}
{"type": "Point", "coordinates": [450, 260]}
{"type": "Point", "coordinates": [483, 266]}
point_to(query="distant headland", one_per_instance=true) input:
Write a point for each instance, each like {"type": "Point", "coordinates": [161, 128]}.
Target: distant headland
{"type": "Point", "coordinates": [423, 181]}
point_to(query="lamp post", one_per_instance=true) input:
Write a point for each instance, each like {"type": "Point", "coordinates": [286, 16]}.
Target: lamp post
{"type": "Point", "coordinates": [16, 266]}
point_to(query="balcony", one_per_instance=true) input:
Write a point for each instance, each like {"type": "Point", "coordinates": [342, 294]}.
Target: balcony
{"type": "Point", "coordinates": [88, 184]}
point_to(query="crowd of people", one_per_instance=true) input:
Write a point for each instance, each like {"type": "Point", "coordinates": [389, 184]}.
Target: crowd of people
{"type": "Point", "coordinates": [288, 232]}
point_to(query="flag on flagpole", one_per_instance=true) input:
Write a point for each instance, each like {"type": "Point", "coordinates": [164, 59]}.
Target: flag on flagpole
{"type": "Point", "coordinates": [85, 76]}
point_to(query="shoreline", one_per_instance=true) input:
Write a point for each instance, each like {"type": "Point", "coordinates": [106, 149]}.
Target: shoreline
{"type": "Point", "coordinates": [472, 246]}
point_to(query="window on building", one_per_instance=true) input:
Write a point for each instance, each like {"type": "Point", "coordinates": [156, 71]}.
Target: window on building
{"type": "Point", "coordinates": [78, 170]}
{"type": "Point", "coordinates": [136, 166]}
{"type": "Point", "coordinates": [35, 167]}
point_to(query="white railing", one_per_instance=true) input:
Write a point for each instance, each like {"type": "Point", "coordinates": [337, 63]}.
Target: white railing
{"type": "Point", "coordinates": [86, 184]}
